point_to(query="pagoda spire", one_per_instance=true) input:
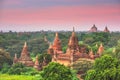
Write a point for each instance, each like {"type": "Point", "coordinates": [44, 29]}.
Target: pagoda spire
{"type": "Point", "coordinates": [37, 65]}
{"type": "Point", "coordinates": [91, 54]}
{"type": "Point", "coordinates": [73, 32]}
{"type": "Point", "coordinates": [36, 61]}
{"type": "Point", "coordinates": [25, 50]}
{"type": "Point", "coordinates": [57, 43]}
{"type": "Point", "coordinates": [106, 29]}
{"type": "Point", "coordinates": [50, 45]}
{"type": "Point", "coordinates": [56, 34]}
{"type": "Point", "coordinates": [15, 58]}
{"type": "Point", "coordinates": [25, 44]}
{"type": "Point", "coordinates": [73, 42]}
{"type": "Point", "coordinates": [100, 49]}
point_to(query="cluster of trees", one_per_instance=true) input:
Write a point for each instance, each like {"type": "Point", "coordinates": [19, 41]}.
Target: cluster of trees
{"type": "Point", "coordinates": [105, 68]}
{"type": "Point", "coordinates": [13, 42]}
{"type": "Point", "coordinates": [4, 58]}
{"type": "Point", "coordinates": [53, 71]}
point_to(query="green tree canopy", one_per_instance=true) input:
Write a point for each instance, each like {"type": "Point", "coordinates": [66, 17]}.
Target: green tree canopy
{"type": "Point", "coordinates": [56, 71]}
{"type": "Point", "coordinates": [105, 68]}
{"type": "Point", "coordinates": [5, 57]}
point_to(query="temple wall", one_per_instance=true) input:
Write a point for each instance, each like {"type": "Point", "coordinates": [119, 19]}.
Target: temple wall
{"type": "Point", "coordinates": [64, 62]}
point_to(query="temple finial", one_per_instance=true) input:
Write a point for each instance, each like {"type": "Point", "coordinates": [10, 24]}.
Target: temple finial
{"type": "Point", "coordinates": [73, 33]}
{"type": "Point", "coordinates": [50, 45]}
{"type": "Point", "coordinates": [56, 34]}
{"type": "Point", "coordinates": [73, 29]}
{"type": "Point", "coordinates": [25, 44]}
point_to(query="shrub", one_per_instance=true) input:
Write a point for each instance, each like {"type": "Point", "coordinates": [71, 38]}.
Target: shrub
{"type": "Point", "coordinates": [17, 68]}
{"type": "Point", "coordinates": [56, 71]}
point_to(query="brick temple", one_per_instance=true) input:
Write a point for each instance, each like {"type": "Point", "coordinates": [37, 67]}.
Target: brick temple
{"type": "Point", "coordinates": [26, 59]}
{"type": "Point", "coordinates": [73, 53]}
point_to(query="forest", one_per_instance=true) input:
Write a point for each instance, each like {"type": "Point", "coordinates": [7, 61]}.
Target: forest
{"type": "Point", "coordinates": [38, 43]}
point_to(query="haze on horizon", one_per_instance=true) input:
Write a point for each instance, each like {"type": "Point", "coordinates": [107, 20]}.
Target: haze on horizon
{"type": "Point", "coordinates": [36, 15]}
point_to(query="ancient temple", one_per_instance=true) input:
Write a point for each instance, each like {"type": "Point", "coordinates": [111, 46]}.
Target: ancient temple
{"type": "Point", "coordinates": [91, 54]}
{"type": "Point", "coordinates": [37, 65]}
{"type": "Point", "coordinates": [100, 49]}
{"type": "Point", "coordinates": [73, 53]}
{"type": "Point", "coordinates": [15, 59]}
{"type": "Point", "coordinates": [106, 30]}
{"type": "Point", "coordinates": [24, 57]}
{"type": "Point", "coordinates": [93, 29]}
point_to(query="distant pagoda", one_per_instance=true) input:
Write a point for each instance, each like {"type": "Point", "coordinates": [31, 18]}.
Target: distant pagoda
{"type": "Point", "coordinates": [93, 29]}
{"type": "Point", "coordinates": [106, 29]}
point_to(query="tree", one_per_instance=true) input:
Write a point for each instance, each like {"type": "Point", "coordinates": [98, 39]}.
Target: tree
{"type": "Point", "coordinates": [44, 58]}
{"type": "Point", "coordinates": [5, 57]}
{"type": "Point", "coordinates": [56, 71]}
{"type": "Point", "coordinates": [105, 68]}
{"type": "Point", "coordinates": [17, 68]}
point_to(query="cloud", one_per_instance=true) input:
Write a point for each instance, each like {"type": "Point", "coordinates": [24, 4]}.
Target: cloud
{"type": "Point", "coordinates": [63, 14]}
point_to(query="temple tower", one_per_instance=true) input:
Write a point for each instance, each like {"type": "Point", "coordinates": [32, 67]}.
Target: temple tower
{"type": "Point", "coordinates": [106, 29]}
{"type": "Point", "coordinates": [25, 56]}
{"type": "Point", "coordinates": [73, 43]}
{"type": "Point", "coordinates": [15, 59]}
{"type": "Point", "coordinates": [57, 43]}
{"type": "Point", "coordinates": [91, 54]}
{"type": "Point", "coordinates": [100, 49]}
{"type": "Point", "coordinates": [93, 29]}
{"type": "Point", "coordinates": [37, 65]}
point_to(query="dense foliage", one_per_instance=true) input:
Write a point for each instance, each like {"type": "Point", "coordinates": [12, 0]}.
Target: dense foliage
{"type": "Point", "coordinates": [105, 68]}
{"type": "Point", "coordinates": [20, 69]}
{"type": "Point", "coordinates": [56, 71]}
{"type": "Point", "coordinates": [5, 58]}
{"type": "Point", "coordinates": [44, 59]}
{"type": "Point", "coordinates": [14, 41]}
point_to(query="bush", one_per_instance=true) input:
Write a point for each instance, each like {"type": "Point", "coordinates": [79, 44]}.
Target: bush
{"type": "Point", "coordinates": [5, 68]}
{"type": "Point", "coordinates": [56, 71]}
{"type": "Point", "coordinates": [105, 68]}
{"type": "Point", "coordinates": [17, 68]}
{"type": "Point", "coordinates": [5, 58]}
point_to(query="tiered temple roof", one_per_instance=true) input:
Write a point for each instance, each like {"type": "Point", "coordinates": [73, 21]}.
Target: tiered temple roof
{"type": "Point", "coordinates": [57, 43]}
{"type": "Point", "coordinates": [25, 56]}
{"type": "Point", "coordinates": [37, 65]}
{"type": "Point", "coordinates": [73, 43]}
{"type": "Point", "coordinates": [93, 29]}
{"type": "Point", "coordinates": [73, 51]}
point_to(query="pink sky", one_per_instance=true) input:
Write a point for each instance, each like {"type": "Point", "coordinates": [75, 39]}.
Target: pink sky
{"type": "Point", "coordinates": [62, 16]}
